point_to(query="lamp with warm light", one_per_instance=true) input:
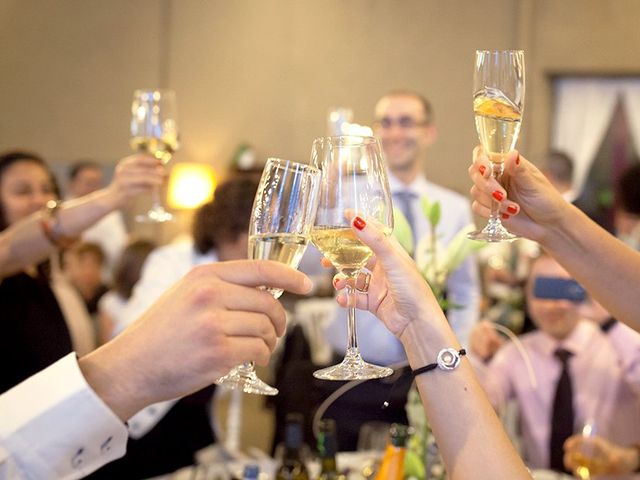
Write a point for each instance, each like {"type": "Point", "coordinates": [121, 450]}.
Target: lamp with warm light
{"type": "Point", "coordinates": [190, 185]}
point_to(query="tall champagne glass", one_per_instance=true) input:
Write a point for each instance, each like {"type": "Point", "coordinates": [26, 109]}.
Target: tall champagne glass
{"type": "Point", "coordinates": [498, 103]}
{"type": "Point", "coordinates": [354, 182]}
{"type": "Point", "coordinates": [281, 220]}
{"type": "Point", "coordinates": [154, 130]}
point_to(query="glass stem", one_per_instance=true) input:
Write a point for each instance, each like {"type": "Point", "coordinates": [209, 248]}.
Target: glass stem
{"type": "Point", "coordinates": [352, 343]}
{"type": "Point", "coordinates": [496, 170]}
{"type": "Point", "coordinates": [155, 198]}
{"type": "Point", "coordinates": [246, 368]}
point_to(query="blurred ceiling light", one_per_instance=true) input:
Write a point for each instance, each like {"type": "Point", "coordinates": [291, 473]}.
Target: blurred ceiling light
{"type": "Point", "coordinates": [190, 185]}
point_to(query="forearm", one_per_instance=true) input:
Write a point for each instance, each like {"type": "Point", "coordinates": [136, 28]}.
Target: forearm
{"type": "Point", "coordinates": [25, 242]}
{"type": "Point", "coordinates": [466, 427]}
{"type": "Point", "coordinates": [606, 267]}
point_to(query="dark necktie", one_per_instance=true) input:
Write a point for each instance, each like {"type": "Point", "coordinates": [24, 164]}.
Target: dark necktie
{"type": "Point", "coordinates": [562, 415]}
{"type": "Point", "coordinates": [404, 199]}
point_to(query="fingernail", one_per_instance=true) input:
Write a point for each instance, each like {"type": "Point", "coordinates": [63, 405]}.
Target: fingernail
{"type": "Point", "coordinates": [512, 209]}
{"type": "Point", "coordinates": [482, 169]}
{"type": "Point", "coordinates": [518, 160]}
{"type": "Point", "coordinates": [498, 195]}
{"type": "Point", "coordinates": [505, 216]}
{"type": "Point", "coordinates": [359, 223]}
{"type": "Point", "coordinates": [335, 282]}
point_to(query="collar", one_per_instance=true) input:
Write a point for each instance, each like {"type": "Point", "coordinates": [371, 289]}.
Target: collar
{"type": "Point", "coordinates": [418, 186]}
{"type": "Point", "coordinates": [576, 342]}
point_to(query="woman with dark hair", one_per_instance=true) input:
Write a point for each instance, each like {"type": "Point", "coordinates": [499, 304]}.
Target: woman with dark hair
{"type": "Point", "coordinates": [171, 432]}
{"type": "Point", "coordinates": [34, 329]}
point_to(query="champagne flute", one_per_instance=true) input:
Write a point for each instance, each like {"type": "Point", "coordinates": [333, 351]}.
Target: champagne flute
{"type": "Point", "coordinates": [154, 131]}
{"type": "Point", "coordinates": [498, 103]}
{"type": "Point", "coordinates": [281, 220]}
{"type": "Point", "coordinates": [354, 182]}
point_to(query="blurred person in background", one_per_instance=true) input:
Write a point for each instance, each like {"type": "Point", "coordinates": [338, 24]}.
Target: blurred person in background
{"type": "Point", "coordinates": [405, 125]}
{"type": "Point", "coordinates": [125, 276]}
{"type": "Point", "coordinates": [83, 264]}
{"type": "Point", "coordinates": [110, 232]}
{"type": "Point", "coordinates": [627, 208]}
{"type": "Point", "coordinates": [558, 168]}
{"type": "Point", "coordinates": [601, 359]}
{"type": "Point", "coordinates": [43, 316]}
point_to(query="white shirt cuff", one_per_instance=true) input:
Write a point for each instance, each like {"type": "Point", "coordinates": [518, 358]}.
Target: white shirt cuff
{"type": "Point", "coordinates": [53, 425]}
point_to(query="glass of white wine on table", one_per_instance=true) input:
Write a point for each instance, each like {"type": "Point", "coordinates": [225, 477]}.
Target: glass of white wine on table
{"type": "Point", "coordinates": [283, 214]}
{"type": "Point", "coordinates": [498, 104]}
{"type": "Point", "coordinates": [154, 130]}
{"type": "Point", "coordinates": [354, 182]}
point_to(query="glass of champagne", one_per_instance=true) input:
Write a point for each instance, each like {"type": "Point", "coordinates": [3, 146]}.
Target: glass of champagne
{"type": "Point", "coordinates": [281, 220]}
{"type": "Point", "coordinates": [587, 457]}
{"type": "Point", "coordinates": [154, 130]}
{"type": "Point", "coordinates": [498, 103]}
{"type": "Point", "coordinates": [354, 182]}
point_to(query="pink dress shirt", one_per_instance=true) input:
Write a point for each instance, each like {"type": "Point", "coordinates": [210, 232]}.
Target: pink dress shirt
{"type": "Point", "coordinates": [605, 374]}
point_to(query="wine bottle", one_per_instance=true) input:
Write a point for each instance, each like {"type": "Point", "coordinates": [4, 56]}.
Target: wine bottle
{"type": "Point", "coordinates": [327, 446]}
{"type": "Point", "coordinates": [293, 466]}
{"type": "Point", "coordinates": [392, 467]}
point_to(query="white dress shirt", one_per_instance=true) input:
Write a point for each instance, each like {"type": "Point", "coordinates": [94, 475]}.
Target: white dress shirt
{"type": "Point", "coordinates": [162, 268]}
{"type": "Point", "coordinates": [53, 425]}
{"type": "Point", "coordinates": [376, 343]}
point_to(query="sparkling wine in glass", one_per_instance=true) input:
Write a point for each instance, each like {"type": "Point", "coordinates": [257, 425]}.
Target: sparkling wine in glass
{"type": "Point", "coordinates": [354, 182]}
{"type": "Point", "coordinates": [587, 458]}
{"type": "Point", "coordinates": [498, 103]}
{"type": "Point", "coordinates": [154, 130]}
{"type": "Point", "coordinates": [283, 214]}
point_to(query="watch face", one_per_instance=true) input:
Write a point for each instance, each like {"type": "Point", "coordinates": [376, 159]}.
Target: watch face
{"type": "Point", "coordinates": [448, 359]}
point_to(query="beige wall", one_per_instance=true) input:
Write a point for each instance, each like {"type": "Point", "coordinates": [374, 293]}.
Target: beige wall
{"type": "Point", "coordinates": [265, 71]}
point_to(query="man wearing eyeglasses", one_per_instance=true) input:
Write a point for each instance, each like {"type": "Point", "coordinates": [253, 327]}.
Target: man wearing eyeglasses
{"type": "Point", "coordinates": [404, 124]}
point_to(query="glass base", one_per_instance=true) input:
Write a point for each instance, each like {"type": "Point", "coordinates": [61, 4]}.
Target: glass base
{"type": "Point", "coordinates": [245, 379]}
{"type": "Point", "coordinates": [155, 215]}
{"type": "Point", "coordinates": [353, 367]}
{"type": "Point", "coordinates": [493, 232]}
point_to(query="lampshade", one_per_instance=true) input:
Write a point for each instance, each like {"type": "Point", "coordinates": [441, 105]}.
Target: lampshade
{"type": "Point", "coordinates": [190, 185]}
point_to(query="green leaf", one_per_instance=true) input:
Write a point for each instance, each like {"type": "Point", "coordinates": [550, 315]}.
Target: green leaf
{"type": "Point", "coordinates": [413, 466]}
{"type": "Point", "coordinates": [402, 231]}
{"type": "Point", "coordinates": [435, 214]}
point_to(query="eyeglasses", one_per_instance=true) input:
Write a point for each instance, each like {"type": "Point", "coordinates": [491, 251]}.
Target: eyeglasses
{"type": "Point", "coordinates": [404, 122]}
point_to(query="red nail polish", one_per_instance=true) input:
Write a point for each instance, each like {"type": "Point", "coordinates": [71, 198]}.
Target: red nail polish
{"type": "Point", "coordinates": [498, 195]}
{"type": "Point", "coordinates": [335, 282]}
{"type": "Point", "coordinates": [505, 216]}
{"type": "Point", "coordinates": [359, 223]}
{"type": "Point", "coordinates": [512, 209]}
{"type": "Point", "coordinates": [482, 169]}
{"type": "Point", "coordinates": [518, 160]}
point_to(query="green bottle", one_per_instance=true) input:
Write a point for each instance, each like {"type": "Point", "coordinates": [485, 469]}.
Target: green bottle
{"type": "Point", "coordinates": [327, 446]}
{"type": "Point", "coordinates": [293, 466]}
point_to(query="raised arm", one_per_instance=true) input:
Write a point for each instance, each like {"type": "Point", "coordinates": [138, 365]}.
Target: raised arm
{"type": "Point", "coordinates": [606, 267]}
{"type": "Point", "coordinates": [466, 427]}
{"type": "Point", "coordinates": [25, 242]}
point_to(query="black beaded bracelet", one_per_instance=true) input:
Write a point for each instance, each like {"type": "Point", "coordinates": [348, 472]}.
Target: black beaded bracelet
{"type": "Point", "coordinates": [448, 359]}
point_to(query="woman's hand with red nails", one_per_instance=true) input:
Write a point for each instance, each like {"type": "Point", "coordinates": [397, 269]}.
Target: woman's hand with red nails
{"type": "Point", "coordinates": [525, 195]}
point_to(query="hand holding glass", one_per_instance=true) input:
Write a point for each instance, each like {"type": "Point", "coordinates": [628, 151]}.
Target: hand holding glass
{"type": "Point", "coordinates": [154, 131]}
{"type": "Point", "coordinates": [283, 213]}
{"type": "Point", "coordinates": [354, 182]}
{"type": "Point", "coordinates": [498, 103]}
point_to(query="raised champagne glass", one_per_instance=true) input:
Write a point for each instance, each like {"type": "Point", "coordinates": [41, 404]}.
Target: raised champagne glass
{"type": "Point", "coordinates": [154, 130]}
{"type": "Point", "coordinates": [498, 103]}
{"type": "Point", "coordinates": [283, 214]}
{"type": "Point", "coordinates": [354, 182]}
